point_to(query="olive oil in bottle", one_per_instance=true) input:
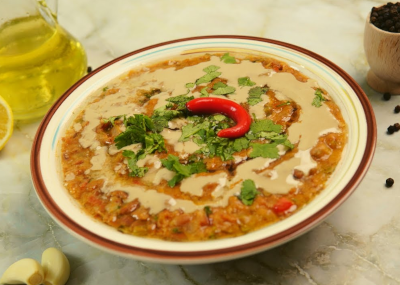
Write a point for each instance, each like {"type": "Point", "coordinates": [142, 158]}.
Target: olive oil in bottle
{"type": "Point", "coordinates": [38, 63]}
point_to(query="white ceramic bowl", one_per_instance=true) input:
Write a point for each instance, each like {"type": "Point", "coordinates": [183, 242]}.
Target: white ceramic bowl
{"type": "Point", "coordinates": [357, 156]}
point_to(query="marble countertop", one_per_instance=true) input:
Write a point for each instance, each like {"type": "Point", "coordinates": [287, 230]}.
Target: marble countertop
{"type": "Point", "coordinates": [358, 244]}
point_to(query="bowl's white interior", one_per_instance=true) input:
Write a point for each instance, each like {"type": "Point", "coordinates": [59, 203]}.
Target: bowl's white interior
{"type": "Point", "coordinates": [337, 87]}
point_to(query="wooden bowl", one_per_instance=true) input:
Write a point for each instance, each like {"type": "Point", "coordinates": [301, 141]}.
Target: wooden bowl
{"type": "Point", "coordinates": [382, 50]}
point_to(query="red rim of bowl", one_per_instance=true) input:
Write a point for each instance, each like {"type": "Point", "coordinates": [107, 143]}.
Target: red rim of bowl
{"type": "Point", "coordinates": [217, 254]}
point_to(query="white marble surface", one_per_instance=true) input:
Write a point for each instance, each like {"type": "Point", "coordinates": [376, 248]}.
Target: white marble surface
{"type": "Point", "coordinates": [358, 244]}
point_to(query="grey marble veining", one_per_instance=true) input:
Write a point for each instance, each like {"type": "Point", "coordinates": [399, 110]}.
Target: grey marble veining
{"type": "Point", "coordinates": [358, 244]}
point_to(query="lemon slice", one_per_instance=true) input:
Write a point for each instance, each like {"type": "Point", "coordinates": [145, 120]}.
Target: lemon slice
{"type": "Point", "coordinates": [6, 122]}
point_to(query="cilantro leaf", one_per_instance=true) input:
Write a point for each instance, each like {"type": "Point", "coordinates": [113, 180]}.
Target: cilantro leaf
{"type": "Point", "coordinates": [136, 128]}
{"type": "Point", "coordinates": [245, 81]}
{"type": "Point", "coordinates": [271, 136]}
{"type": "Point", "coordinates": [255, 95]}
{"type": "Point", "coordinates": [153, 142]}
{"type": "Point", "coordinates": [219, 117]}
{"type": "Point", "coordinates": [208, 77]}
{"type": "Point", "coordinates": [248, 192]}
{"type": "Point", "coordinates": [318, 99]}
{"type": "Point", "coordinates": [182, 170]}
{"type": "Point", "coordinates": [139, 129]}
{"type": "Point", "coordinates": [219, 85]}
{"type": "Point", "coordinates": [140, 121]}
{"type": "Point", "coordinates": [265, 126]}
{"type": "Point", "coordinates": [133, 134]}
{"type": "Point", "coordinates": [161, 117]}
{"type": "Point", "coordinates": [224, 90]}
{"type": "Point", "coordinates": [204, 92]}
{"type": "Point", "coordinates": [135, 171]}
{"type": "Point", "coordinates": [112, 120]}
{"type": "Point", "coordinates": [180, 101]}
{"type": "Point", "coordinates": [286, 143]}
{"type": "Point", "coordinates": [228, 59]}
{"type": "Point", "coordinates": [211, 68]}
{"type": "Point", "coordinates": [212, 145]}
{"type": "Point", "coordinates": [191, 129]}
{"type": "Point", "coordinates": [240, 144]}
{"type": "Point", "coordinates": [267, 150]}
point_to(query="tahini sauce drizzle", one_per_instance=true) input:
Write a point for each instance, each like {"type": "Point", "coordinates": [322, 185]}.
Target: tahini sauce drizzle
{"type": "Point", "coordinates": [172, 83]}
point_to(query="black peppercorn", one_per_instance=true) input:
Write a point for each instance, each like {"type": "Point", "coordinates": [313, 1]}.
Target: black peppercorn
{"type": "Point", "coordinates": [387, 96]}
{"type": "Point", "coordinates": [391, 130]}
{"type": "Point", "coordinates": [386, 17]}
{"type": "Point", "coordinates": [396, 127]}
{"type": "Point", "coordinates": [89, 69]}
{"type": "Point", "coordinates": [397, 109]}
{"type": "Point", "coordinates": [389, 182]}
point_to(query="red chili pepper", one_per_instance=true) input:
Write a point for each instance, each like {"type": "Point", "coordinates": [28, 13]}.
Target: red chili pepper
{"type": "Point", "coordinates": [211, 105]}
{"type": "Point", "coordinates": [282, 205]}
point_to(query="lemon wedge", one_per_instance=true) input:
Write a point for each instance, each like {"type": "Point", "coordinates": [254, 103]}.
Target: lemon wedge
{"type": "Point", "coordinates": [6, 122]}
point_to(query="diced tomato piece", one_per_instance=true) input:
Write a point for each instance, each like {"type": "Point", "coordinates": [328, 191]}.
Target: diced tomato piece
{"type": "Point", "coordinates": [282, 205]}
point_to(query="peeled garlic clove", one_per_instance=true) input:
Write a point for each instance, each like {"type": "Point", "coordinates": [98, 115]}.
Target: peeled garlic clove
{"type": "Point", "coordinates": [25, 271]}
{"type": "Point", "coordinates": [56, 267]}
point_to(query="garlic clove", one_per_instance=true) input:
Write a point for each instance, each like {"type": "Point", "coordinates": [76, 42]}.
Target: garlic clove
{"type": "Point", "coordinates": [25, 271]}
{"type": "Point", "coordinates": [56, 267]}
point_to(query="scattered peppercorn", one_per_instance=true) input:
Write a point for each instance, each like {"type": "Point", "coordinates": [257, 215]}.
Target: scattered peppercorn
{"type": "Point", "coordinates": [386, 17]}
{"type": "Point", "coordinates": [387, 96]}
{"type": "Point", "coordinates": [391, 130]}
{"type": "Point", "coordinates": [397, 109]}
{"type": "Point", "coordinates": [397, 127]}
{"type": "Point", "coordinates": [89, 69]}
{"type": "Point", "coordinates": [389, 182]}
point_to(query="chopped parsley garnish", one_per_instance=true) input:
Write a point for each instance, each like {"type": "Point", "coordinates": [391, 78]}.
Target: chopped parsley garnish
{"type": "Point", "coordinates": [111, 120]}
{"type": "Point", "coordinates": [190, 85]}
{"type": "Point", "coordinates": [228, 59]}
{"type": "Point", "coordinates": [318, 99]}
{"type": "Point", "coordinates": [245, 81]}
{"type": "Point", "coordinates": [255, 95]}
{"type": "Point", "coordinates": [248, 192]}
{"type": "Point", "coordinates": [105, 89]}
{"type": "Point", "coordinates": [182, 170]}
